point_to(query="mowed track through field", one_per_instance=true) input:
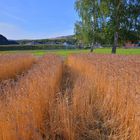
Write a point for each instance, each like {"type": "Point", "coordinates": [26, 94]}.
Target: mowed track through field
{"type": "Point", "coordinates": [84, 97]}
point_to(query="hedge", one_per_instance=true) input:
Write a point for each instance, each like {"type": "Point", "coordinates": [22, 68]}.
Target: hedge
{"type": "Point", "coordinates": [33, 47]}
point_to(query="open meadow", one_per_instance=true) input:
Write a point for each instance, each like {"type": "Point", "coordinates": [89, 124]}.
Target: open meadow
{"type": "Point", "coordinates": [69, 69]}
{"type": "Point", "coordinates": [82, 97]}
{"type": "Point", "coordinates": [64, 52]}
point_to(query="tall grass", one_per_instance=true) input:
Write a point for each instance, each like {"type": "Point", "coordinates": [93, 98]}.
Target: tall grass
{"type": "Point", "coordinates": [105, 98]}
{"type": "Point", "coordinates": [11, 65]}
{"type": "Point", "coordinates": [26, 104]}
{"type": "Point", "coordinates": [90, 97]}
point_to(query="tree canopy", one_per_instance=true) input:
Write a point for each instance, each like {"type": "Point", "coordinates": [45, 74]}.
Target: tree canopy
{"type": "Point", "coordinates": [107, 21]}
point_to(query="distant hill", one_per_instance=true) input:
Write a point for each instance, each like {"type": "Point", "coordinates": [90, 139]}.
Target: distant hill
{"type": "Point", "coordinates": [13, 42]}
{"type": "Point", "coordinates": [63, 40]}
{"type": "Point", "coordinates": [65, 37]}
{"type": "Point", "coordinates": [5, 41]}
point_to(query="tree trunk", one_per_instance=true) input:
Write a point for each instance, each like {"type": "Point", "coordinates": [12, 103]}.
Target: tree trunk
{"type": "Point", "coordinates": [115, 43]}
{"type": "Point", "coordinates": [91, 48]}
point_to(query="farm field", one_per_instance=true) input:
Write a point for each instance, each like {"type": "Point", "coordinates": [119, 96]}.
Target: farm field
{"type": "Point", "coordinates": [68, 52]}
{"type": "Point", "coordinates": [11, 65]}
{"type": "Point", "coordinates": [84, 97]}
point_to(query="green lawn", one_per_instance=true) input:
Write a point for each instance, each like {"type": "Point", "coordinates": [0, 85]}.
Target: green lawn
{"type": "Point", "coordinates": [68, 52]}
{"type": "Point", "coordinates": [119, 51]}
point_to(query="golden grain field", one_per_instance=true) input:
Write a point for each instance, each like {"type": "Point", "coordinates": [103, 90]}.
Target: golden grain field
{"type": "Point", "coordinates": [85, 97]}
{"type": "Point", "coordinates": [11, 65]}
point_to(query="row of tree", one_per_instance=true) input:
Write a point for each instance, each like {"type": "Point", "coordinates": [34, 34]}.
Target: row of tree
{"type": "Point", "coordinates": [107, 22]}
{"type": "Point", "coordinates": [65, 39]}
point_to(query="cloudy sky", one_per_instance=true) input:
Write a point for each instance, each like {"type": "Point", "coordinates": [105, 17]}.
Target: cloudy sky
{"type": "Point", "coordinates": [32, 19]}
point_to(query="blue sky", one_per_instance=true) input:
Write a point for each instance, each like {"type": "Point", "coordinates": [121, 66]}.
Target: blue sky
{"type": "Point", "coordinates": [32, 19]}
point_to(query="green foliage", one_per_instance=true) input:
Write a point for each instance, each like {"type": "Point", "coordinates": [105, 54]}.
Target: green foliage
{"type": "Point", "coordinates": [101, 20]}
{"type": "Point", "coordinates": [32, 47]}
{"type": "Point", "coordinates": [88, 30]}
{"type": "Point", "coordinates": [68, 39]}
